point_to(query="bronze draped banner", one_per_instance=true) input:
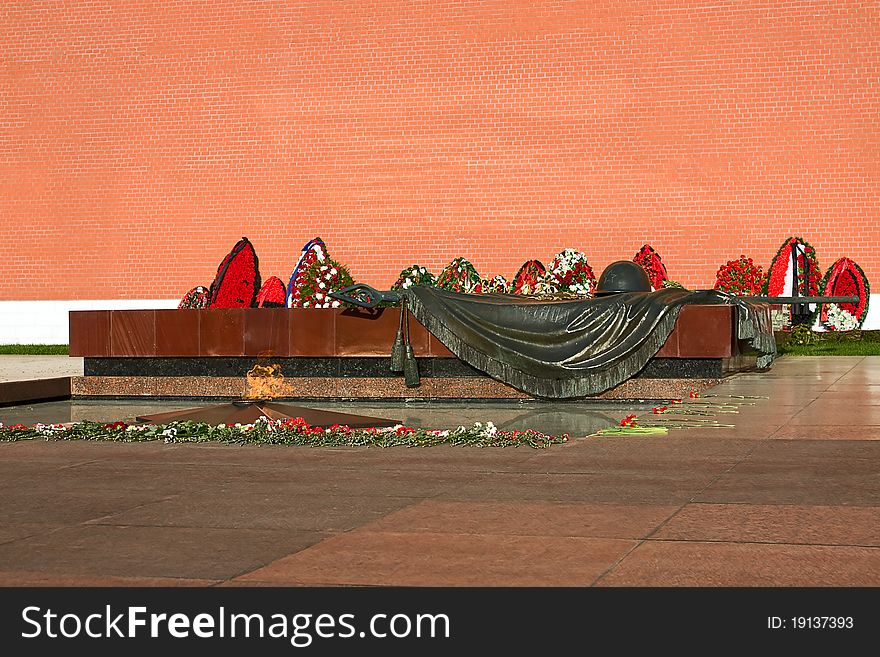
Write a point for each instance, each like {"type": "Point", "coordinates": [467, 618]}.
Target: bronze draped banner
{"type": "Point", "coordinates": [562, 348]}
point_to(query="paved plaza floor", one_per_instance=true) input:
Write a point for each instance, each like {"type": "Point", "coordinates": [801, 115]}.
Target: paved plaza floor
{"type": "Point", "coordinates": [790, 496]}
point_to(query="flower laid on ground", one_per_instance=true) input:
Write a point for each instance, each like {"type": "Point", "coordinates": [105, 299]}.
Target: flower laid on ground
{"type": "Point", "coordinates": [844, 278]}
{"type": "Point", "coordinates": [319, 280]}
{"type": "Point", "coordinates": [693, 394]}
{"type": "Point", "coordinates": [572, 273]}
{"type": "Point", "coordinates": [495, 285]}
{"type": "Point", "coordinates": [198, 297]}
{"type": "Point", "coordinates": [314, 251]}
{"type": "Point", "coordinates": [414, 275]}
{"type": "Point", "coordinates": [650, 261]}
{"type": "Point", "coordinates": [658, 410]}
{"type": "Point", "coordinates": [288, 431]}
{"type": "Point", "coordinates": [530, 274]}
{"type": "Point", "coordinates": [629, 426]}
{"type": "Point", "coordinates": [46, 430]}
{"type": "Point", "coordinates": [740, 277]}
{"type": "Point", "coordinates": [459, 276]}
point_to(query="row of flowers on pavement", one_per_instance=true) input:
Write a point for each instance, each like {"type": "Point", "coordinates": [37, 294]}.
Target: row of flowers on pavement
{"type": "Point", "coordinates": [696, 412]}
{"type": "Point", "coordinates": [287, 431]}
{"type": "Point", "coordinates": [296, 431]}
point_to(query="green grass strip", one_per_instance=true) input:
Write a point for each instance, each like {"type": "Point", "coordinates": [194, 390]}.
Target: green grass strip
{"type": "Point", "coordinates": [35, 349]}
{"type": "Point", "coordinates": [832, 348]}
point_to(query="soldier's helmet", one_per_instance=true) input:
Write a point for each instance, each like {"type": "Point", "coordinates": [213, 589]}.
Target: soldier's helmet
{"type": "Point", "coordinates": [623, 276]}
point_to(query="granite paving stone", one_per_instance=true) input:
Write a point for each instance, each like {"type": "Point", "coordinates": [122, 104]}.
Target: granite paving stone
{"type": "Point", "coordinates": [263, 508]}
{"type": "Point", "coordinates": [772, 523]}
{"type": "Point", "coordinates": [63, 507]}
{"type": "Point", "coordinates": [794, 487]}
{"type": "Point", "coordinates": [827, 432]}
{"type": "Point", "coordinates": [525, 519]}
{"type": "Point", "coordinates": [677, 563]}
{"type": "Point", "coordinates": [600, 487]}
{"type": "Point", "coordinates": [130, 551]}
{"type": "Point", "coordinates": [14, 531]}
{"type": "Point", "coordinates": [426, 559]}
{"type": "Point", "coordinates": [25, 578]}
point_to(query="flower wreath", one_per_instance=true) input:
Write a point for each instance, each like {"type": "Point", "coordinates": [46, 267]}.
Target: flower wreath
{"type": "Point", "coordinates": [314, 251]}
{"type": "Point", "coordinates": [414, 275]}
{"type": "Point", "coordinates": [653, 265]}
{"type": "Point", "coordinates": [527, 278]}
{"type": "Point", "coordinates": [572, 273]}
{"type": "Point", "coordinates": [238, 278]}
{"type": "Point", "coordinates": [808, 274]}
{"type": "Point", "coordinates": [844, 278]}
{"type": "Point", "coordinates": [740, 277]}
{"type": "Point", "coordinates": [272, 294]}
{"type": "Point", "coordinates": [198, 297]}
{"type": "Point", "coordinates": [459, 276]}
{"type": "Point", "coordinates": [319, 279]}
{"type": "Point", "coordinates": [780, 276]}
{"type": "Point", "coordinates": [495, 285]}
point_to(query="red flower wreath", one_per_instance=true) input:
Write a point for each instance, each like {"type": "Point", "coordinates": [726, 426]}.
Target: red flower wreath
{"type": "Point", "coordinates": [740, 277]}
{"type": "Point", "coordinates": [527, 278]}
{"type": "Point", "coordinates": [808, 274]}
{"type": "Point", "coordinates": [238, 278]}
{"type": "Point", "coordinates": [272, 295]}
{"type": "Point", "coordinates": [572, 273]}
{"type": "Point", "coordinates": [845, 278]}
{"type": "Point", "coordinates": [319, 280]}
{"type": "Point", "coordinates": [650, 261]}
{"type": "Point", "coordinates": [195, 298]}
{"type": "Point", "coordinates": [314, 251]}
{"type": "Point", "coordinates": [806, 278]}
{"type": "Point", "coordinates": [459, 276]}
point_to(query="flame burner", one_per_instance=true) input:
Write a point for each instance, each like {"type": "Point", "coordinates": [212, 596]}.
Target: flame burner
{"type": "Point", "coordinates": [265, 383]}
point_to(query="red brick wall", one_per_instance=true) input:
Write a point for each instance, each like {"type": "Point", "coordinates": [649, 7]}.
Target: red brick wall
{"type": "Point", "coordinates": [140, 141]}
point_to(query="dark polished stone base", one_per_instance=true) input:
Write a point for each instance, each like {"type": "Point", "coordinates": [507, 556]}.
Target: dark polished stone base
{"type": "Point", "coordinates": [355, 367]}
